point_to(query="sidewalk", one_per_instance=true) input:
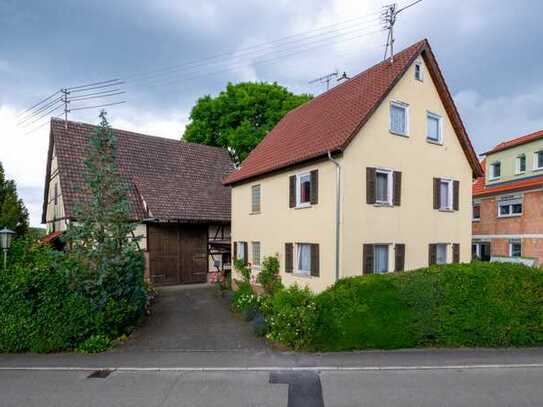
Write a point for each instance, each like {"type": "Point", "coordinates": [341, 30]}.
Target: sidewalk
{"type": "Point", "coordinates": [270, 360]}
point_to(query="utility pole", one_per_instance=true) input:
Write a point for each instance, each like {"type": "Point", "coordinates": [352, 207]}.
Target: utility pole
{"type": "Point", "coordinates": [389, 16]}
{"type": "Point", "coordinates": [326, 79]}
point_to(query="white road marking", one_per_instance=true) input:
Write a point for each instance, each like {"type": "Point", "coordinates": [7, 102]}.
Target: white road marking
{"type": "Point", "coordinates": [270, 368]}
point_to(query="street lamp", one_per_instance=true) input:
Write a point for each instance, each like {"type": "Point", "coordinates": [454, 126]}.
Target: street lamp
{"type": "Point", "coordinates": [5, 242]}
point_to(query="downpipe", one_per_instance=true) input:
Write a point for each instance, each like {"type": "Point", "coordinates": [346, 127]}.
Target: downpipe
{"type": "Point", "coordinates": [338, 204]}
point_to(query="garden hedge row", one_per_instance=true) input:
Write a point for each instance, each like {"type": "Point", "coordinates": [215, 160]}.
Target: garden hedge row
{"type": "Point", "coordinates": [455, 305]}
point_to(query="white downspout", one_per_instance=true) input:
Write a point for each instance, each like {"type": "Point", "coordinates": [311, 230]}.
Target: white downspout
{"type": "Point", "coordinates": [338, 205]}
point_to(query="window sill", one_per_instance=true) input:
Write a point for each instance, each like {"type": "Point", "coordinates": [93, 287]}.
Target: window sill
{"type": "Point", "coordinates": [303, 206]}
{"type": "Point", "coordinates": [476, 220]}
{"type": "Point", "coordinates": [254, 213]}
{"type": "Point", "coordinates": [302, 275]}
{"type": "Point", "coordinates": [537, 169]}
{"type": "Point", "coordinates": [434, 142]}
{"type": "Point", "coordinates": [446, 210]}
{"type": "Point", "coordinates": [383, 205]}
{"type": "Point", "coordinates": [516, 215]}
{"type": "Point", "coordinates": [494, 179]}
{"type": "Point", "coordinates": [395, 133]}
{"type": "Point", "coordinates": [521, 172]}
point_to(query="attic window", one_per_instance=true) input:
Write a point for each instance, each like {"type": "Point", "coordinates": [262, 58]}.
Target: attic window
{"type": "Point", "coordinates": [418, 71]}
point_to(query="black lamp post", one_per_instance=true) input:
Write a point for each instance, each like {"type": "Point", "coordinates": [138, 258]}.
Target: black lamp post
{"type": "Point", "coordinates": [5, 243]}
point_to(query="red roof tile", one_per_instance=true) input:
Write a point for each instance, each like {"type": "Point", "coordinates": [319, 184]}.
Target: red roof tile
{"type": "Point", "coordinates": [330, 121]}
{"type": "Point", "coordinates": [173, 180]}
{"type": "Point", "coordinates": [516, 142]}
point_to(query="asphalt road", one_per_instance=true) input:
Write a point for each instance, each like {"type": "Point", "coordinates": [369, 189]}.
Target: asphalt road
{"type": "Point", "coordinates": [473, 386]}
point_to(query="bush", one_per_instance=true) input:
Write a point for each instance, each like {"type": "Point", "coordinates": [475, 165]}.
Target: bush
{"type": "Point", "coordinates": [291, 317]}
{"type": "Point", "coordinates": [45, 308]}
{"type": "Point", "coordinates": [95, 344]}
{"type": "Point", "coordinates": [268, 277]}
{"type": "Point", "coordinates": [477, 304]}
{"type": "Point", "coordinates": [243, 299]}
{"type": "Point", "coordinates": [243, 269]}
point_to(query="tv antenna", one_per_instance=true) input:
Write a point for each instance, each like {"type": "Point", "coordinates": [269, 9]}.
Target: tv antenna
{"type": "Point", "coordinates": [326, 79]}
{"type": "Point", "coordinates": [390, 13]}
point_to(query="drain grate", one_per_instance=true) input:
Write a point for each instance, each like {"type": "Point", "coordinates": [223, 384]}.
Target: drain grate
{"type": "Point", "coordinates": [100, 374]}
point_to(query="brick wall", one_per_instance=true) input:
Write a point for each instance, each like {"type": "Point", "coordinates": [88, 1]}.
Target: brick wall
{"type": "Point", "coordinates": [530, 222]}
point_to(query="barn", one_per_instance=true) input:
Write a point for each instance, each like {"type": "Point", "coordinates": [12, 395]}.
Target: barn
{"type": "Point", "coordinates": [175, 193]}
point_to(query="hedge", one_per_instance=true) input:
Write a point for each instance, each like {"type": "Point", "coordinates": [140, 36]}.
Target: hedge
{"type": "Point", "coordinates": [455, 305]}
{"type": "Point", "coordinates": [42, 309]}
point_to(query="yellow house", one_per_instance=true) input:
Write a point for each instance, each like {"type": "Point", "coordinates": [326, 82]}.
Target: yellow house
{"type": "Point", "coordinates": [372, 176]}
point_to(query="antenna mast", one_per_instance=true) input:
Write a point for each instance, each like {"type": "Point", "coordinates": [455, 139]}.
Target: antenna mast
{"type": "Point", "coordinates": [326, 79]}
{"type": "Point", "coordinates": [389, 15]}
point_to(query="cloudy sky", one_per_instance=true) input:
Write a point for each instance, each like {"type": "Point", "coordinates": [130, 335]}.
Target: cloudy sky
{"type": "Point", "coordinates": [489, 51]}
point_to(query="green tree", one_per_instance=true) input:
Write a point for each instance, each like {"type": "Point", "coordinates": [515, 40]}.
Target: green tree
{"type": "Point", "coordinates": [101, 238]}
{"type": "Point", "coordinates": [13, 214]}
{"type": "Point", "coordinates": [240, 116]}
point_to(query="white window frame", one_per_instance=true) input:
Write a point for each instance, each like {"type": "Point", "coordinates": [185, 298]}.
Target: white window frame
{"type": "Point", "coordinates": [491, 175]}
{"type": "Point", "coordinates": [299, 176]}
{"type": "Point", "coordinates": [446, 245]}
{"type": "Point", "coordinates": [240, 253]}
{"type": "Point", "coordinates": [472, 214]}
{"type": "Point", "coordinates": [439, 118]}
{"type": "Point", "coordinates": [536, 154]}
{"type": "Point", "coordinates": [510, 204]}
{"type": "Point", "coordinates": [297, 260]}
{"type": "Point", "coordinates": [388, 172]}
{"type": "Point", "coordinates": [420, 77]}
{"type": "Point", "coordinates": [253, 188]}
{"type": "Point", "coordinates": [449, 183]}
{"type": "Point", "coordinates": [405, 107]}
{"type": "Point", "coordinates": [518, 171]}
{"type": "Point", "coordinates": [253, 263]}
{"type": "Point", "coordinates": [511, 243]}
{"type": "Point", "coordinates": [375, 246]}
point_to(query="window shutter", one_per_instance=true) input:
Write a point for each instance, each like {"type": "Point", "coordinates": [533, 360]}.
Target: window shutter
{"type": "Point", "coordinates": [367, 254]}
{"type": "Point", "coordinates": [399, 261]}
{"type": "Point", "coordinates": [314, 187]}
{"type": "Point", "coordinates": [235, 250]}
{"type": "Point", "coordinates": [456, 252]}
{"type": "Point", "coordinates": [456, 194]}
{"type": "Point", "coordinates": [370, 185]}
{"type": "Point", "coordinates": [432, 254]}
{"type": "Point", "coordinates": [288, 257]}
{"type": "Point", "coordinates": [437, 195]}
{"type": "Point", "coordinates": [396, 188]}
{"type": "Point", "coordinates": [315, 260]}
{"type": "Point", "coordinates": [245, 253]}
{"type": "Point", "coordinates": [292, 191]}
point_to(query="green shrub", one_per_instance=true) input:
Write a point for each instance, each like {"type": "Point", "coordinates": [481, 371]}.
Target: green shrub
{"type": "Point", "coordinates": [243, 269]}
{"type": "Point", "coordinates": [477, 304]}
{"type": "Point", "coordinates": [244, 299]}
{"type": "Point", "coordinates": [268, 277]}
{"type": "Point", "coordinates": [291, 317]}
{"type": "Point", "coordinates": [44, 306]}
{"type": "Point", "coordinates": [94, 344]}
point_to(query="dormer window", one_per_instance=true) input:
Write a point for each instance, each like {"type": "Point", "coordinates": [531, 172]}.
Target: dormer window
{"type": "Point", "coordinates": [418, 71]}
{"type": "Point", "coordinates": [495, 170]}
{"type": "Point", "coordinates": [520, 164]}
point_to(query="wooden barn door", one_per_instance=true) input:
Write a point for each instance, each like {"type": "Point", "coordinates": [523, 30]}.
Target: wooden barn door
{"type": "Point", "coordinates": [164, 253]}
{"type": "Point", "coordinates": [177, 253]}
{"type": "Point", "coordinates": [194, 257]}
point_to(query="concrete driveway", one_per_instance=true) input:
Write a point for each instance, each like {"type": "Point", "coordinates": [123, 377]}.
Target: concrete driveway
{"type": "Point", "coordinates": [192, 318]}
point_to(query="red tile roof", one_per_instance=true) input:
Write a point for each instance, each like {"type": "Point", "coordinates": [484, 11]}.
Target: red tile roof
{"type": "Point", "coordinates": [516, 142]}
{"type": "Point", "coordinates": [50, 237]}
{"type": "Point", "coordinates": [330, 121]}
{"type": "Point", "coordinates": [173, 180]}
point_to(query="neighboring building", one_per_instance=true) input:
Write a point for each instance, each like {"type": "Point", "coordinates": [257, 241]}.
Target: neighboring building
{"type": "Point", "coordinates": [508, 202]}
{"type": "Point", "coordinates": [406, 171]}
{"type": "Point", "coordinates": [175, 194]}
